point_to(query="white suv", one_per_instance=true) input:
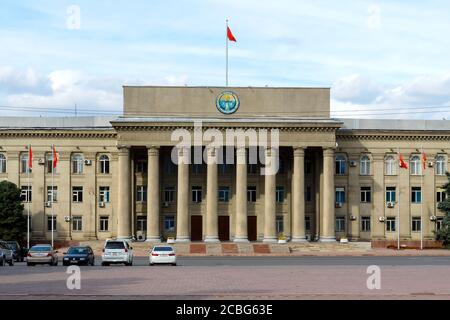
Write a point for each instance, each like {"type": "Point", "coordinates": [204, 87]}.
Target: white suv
{"type": "Point", "coordinates": [117, 251]}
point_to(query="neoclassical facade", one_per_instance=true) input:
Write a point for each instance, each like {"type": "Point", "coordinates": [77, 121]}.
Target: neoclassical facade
{"type": "Point", "coordinates": [336, 178]}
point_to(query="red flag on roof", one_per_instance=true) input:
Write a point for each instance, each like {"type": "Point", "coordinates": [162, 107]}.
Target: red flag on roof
{"type": "Point", "coordinates": [30, 158]}
{"type": "Point", "coordinates": [230, 35]}
{"type": "Point", "coordinates": [54, 158]}
{"type": "Point", "coordinates": [424, 160]}
{"type": "Point", "coordinates": [402, 163]}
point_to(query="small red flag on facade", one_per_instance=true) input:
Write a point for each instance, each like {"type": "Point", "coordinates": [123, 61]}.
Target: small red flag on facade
{"type": "Point", "coordinates": [54, 158]}
{"type": "Point", "coordinates": [230, 35]}
{"type": "Point", "coordinates": [30, 158]}
{"type": "Point", "coordinates": [402, 163]}
{"type": "Point", "coordinates": [424, 160]}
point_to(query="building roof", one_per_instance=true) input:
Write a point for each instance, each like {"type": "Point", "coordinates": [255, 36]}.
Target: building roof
{"type": "Point", "coordinates": [56, 122]}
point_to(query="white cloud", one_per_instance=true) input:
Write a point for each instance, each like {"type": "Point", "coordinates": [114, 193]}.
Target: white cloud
{"type": "Point", "coordinates": [374, 18]}
{"type": "Point", "coordinates": [356, 88]}
{"type": "Point", "coordinates": [14, 80]}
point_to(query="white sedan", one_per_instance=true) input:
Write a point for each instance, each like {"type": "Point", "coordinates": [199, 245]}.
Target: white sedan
{"type": "Point", "coordinates": [163, 255]}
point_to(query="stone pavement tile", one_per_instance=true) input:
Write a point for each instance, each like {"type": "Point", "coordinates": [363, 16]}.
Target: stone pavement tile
{"type": "Point", "coordinates": [261, 248]}
{"type": "Point", "coordinates": [279, 248]}
{"type": "Point", "coordinates": [214, 249]}
{"type": "Point", "coordinates": [228, 248]}
{"type": "Point", "coordinates": [182, 248]}
{"type": "Point", "coordinates": [198, 248]}
{"type": "Point", "coordinates": [245, 248]}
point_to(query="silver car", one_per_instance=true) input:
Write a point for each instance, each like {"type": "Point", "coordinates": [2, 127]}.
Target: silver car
{"type": "Point", "coordinates": [6, 254]}
{"type": "Point", "coordinates": [42, 254]}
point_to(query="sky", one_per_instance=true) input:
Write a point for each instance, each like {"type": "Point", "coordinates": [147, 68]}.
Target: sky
{"type": "Point", "coordinates": [381, 59]}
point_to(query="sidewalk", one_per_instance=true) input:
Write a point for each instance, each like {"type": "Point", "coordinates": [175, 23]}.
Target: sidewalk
{"type": "Point", "coordinates": [288, 249]}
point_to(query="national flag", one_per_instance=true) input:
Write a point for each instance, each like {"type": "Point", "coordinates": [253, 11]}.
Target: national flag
{"type": "Point", "coordinates": [402, 163]}
{"type": "Point", "coordinates": [424, 160]}
{"type": "Point", "coordinates": [30, 158]}
{"type": "Point", "coordinates": [54, 158]}
{"type": "Point", "coordinates": [230, 35]}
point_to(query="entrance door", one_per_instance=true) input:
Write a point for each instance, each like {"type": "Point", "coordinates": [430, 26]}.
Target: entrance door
{"type": "Point", "coordinates": [251, 228]}
{"type": "Point", "coordinates": [224, 228]}
{"type": "Point", "coordinates": [196, 228]}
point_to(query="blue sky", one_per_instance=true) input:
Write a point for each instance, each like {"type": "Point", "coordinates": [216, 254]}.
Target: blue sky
{"type": "Point", "coordinates": [381, 58]}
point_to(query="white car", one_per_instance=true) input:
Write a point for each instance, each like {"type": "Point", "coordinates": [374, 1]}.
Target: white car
{"type": "Point", "coordinates": [163, 255]}
{"type": "Point", "coordinates": [117, 251]}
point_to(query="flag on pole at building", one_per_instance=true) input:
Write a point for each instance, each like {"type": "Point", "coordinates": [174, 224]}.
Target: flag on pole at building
{"type": "Point", "coordinates": [30, 158]}
{"type": "Point", "coordinates": [54, 158]}
{"type": "Point", "coordinates": [402, 163]}
{"type": "Point", "coordinates": [230, 35]}
{"type": "Point", "coordinates": [424, 160]}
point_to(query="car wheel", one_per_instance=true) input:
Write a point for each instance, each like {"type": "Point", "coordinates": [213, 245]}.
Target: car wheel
{"type": "Point", "coordinates": [65, 264]}
{"type": "Point", "coordinates": [105, 264]}
{"type": "Point", "coordinates": [93, 262]}
{"type": "Point", "coordinates": [30, 264]}
{"type": "Point", "coordinates": [174, 264]}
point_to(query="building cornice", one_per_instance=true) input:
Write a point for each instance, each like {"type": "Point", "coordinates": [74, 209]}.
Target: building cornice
{"type": "Point", "coordinates": [393, 135]}
{"type": "Point", "coordinates": [86, 134]}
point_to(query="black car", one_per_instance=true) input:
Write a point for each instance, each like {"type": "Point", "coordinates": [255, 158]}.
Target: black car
{"type": "Point", "coordinates": [19, 253]}
{"type": "Point", "coordinates": [81, 255]}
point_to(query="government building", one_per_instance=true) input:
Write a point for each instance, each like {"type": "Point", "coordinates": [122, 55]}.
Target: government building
{"type": "Point", "coordinates": [335, 179]}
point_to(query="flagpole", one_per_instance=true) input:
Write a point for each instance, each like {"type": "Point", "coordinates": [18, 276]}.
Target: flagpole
{"type": "Point", "coordinates": [398, 203]}
{"type": "Point", "coordinates": [226, 55]}
{"type": "Point", "coordinates": [53, 192]}
{"type": "Point", "coordinates": [421, 197]}
{"type": "Point", "coordinates": [28, 199]}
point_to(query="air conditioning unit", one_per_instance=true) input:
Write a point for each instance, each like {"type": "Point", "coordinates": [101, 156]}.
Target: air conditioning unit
{"type": "Point", "coordinates": [140, 235]}
{"type": "Point", "coordinates": [353, 218]}
{"type": "Point", "coordinates": [166, 204]}
{"type": "Point", "coordinates": [67, 218]}
{"type": "Point", "coordinates": [41, 161]}
{"type": "Point", "coordinates": [353, 163]}
{"type": "Point", "coordinates": [48, 204]}
{"type": "Point", "coordinates": [433, 218]}
{"type": "Point", "coordinates": [391, 204]}
{"type": "Point", "coordinates": [381, 219]}
{"type": "Point", "coordinates": [338, 204]}
{"type": "Point", "coordinates": [430, 164]}
{"type": "Point", "coordinates": [87, 162]}
{"type": "Point", "coordinates": [101, 204]}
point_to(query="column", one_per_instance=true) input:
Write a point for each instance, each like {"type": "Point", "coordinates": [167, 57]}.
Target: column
{"type": "Point", "coordinates": [269, 196]}
{"type": "Point", "coordinates": [327, 216]}
{"type": "Point", "coordinates": [124, 194]}
{"type": "Point", "coordinates": [212, 223]}
{"type": "Point", "coordinates": [183, 196]}
{"type": "Point", "coordinates": [356, 208]}
{"type": "Point", "coordinates": [241, 196]}
{"type": "Point", "coordinates": [153, 196]}
{"type": "Point", "coordinates": [298, 196]}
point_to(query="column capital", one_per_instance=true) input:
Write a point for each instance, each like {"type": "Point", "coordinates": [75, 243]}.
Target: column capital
{"type": "Point", "coordinates": [241, 151]}
{"type": "Point", "coordinates": [123, 148]}
{"type": "Point", "coordinates": [153, 150]}
{"type": "Point", "coordinates": [328, 152]}
{"type": "Point", "coordinates": [299, 151]}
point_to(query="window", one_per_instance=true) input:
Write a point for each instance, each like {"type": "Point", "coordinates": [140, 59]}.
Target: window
{"type": "Point", "coordinates": [279, 194]}
{"type": "Point", "coordinates": [251, 194]}
{"type": "Point", "coordinates": [77, 223]}
{"type": "Point", "coordinates": [340, 164]}
{"type": "Point", "coordinates": [308, 223]}
{"type": "Point", "coordinates": [2, 163]}
{"type": "Point", "coordinates": [416, 167]}
{"type": "Point", "coordinates": [366, 194]}
{"type": "Point", "coordinates": [49, 162]}
{"type": "Point", "coordinates": [77, 194]}
{"type": "Point", "coordinates": [252, 168]}
{"type": "Point", "coordinates": [25, 194]}
{"type": "Point", "coordinates": [197, 168]}
{"type": "Point", "coordinates": [340, 224]}
{"type": "Point", "coordinates": [49, 223]}
{"type": "Point", "coordinates": [340, 194]}
{"type": "Point", "coordinates": [224, 194]}
{"type": "Point", "coordinates": [141, 223]}
{"type": "Point", "coordinates": [169, 194]}
{"type": "Point", "coordinates": [390, 168]}
{"type": "Point", "coordinates": [279, 224]}
{"type": "Point", "coordinates": [390, 224]}
{"type": "Point", "coordinates": [52, 193]}
{"type": "Point", "coordinates": [77, 164]}
{"type": "Point", "coordinates": [416, 224]}
{"type": "Point", "coordinates": [196, 194]}
{"type": "Point", "coordinates": [440, 196]}
{"type": "Point", "coordinates": [365, 224]}
{"type": "Point", "coordinates": [440, 165]}
{"type": "Point", "coordinates": [141, 166]}
{"type": "Point", "coordinates": [390, 194]}
{"type": "Point", "coordinates": [416, 194]}
{"type": "Point", "coordinates": [439, 222]}
{"type": "Point", "coordinates": [104, 223]}
{"type": "Point", "coordinates": [24, 167]}
{"type": "Point", "coordinates": [169, 223]}
{"type": "Point", "coordinates": [223, 168]}
{"type": "Point", "coordinates": [141, 193]}
{"type": "Point", "coordinates": [104, 164]}
{"type": "Point", "coordinates": [308, 194]}
{"type": "Point", "coordinates": [364, 165]}
{"type": "Point", "coordinates": [103, 194]}
{"type": "Point", "coordinates": [308, 166]}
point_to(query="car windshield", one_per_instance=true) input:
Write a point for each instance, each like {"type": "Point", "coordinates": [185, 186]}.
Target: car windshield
{"type": "Point", "coordinates": [163, 249]}
{"type": "Point", "coordinates": [115, 245]}
{"type": "Point", "coordinates": [79, 250]}
{"type": "Point", "coordinates": [12, 245]}
{"type": "Point", "coordinates": [41, 248]}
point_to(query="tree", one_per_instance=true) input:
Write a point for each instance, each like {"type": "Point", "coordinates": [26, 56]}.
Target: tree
{"type": "Point", "coordinates": [444, 233]}
{"type": "Point", "coordinates": [13, 224]}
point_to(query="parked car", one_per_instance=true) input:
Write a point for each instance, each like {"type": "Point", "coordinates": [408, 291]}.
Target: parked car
{"type": "Point", "coordinates": [42, 254]}
{"type": "Point", "coordinates": [163, 255]}
{"type": "Point", "coordinates": [19, 253]}
{"type": "Point", "coordinates": [117, 251]}
{"type": "Point", "coordinates": [82, 255]}
{"type": "Point", "coordinates": [6, 254]}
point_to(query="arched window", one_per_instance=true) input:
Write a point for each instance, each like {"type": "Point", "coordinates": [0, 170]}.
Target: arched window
{"type": "Point", "coordinates": [2, 163]}
{"type": "Point", "coordinates": [77, 163]}
{"type": "Point", "coordinates": [340, 164]}
{"type": "Point", "coordinates": [24, 163]}
{"type": "Point", "coordinates": [416, 166]}
{"type": "Point", "coordinates": [441, 167]}
{"type": "Point", "coordinates": [104, 164]}
{"type": "Point", "coordinates": [364, 165]}
{"type": "Point", "coordinates": [390, 168]}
